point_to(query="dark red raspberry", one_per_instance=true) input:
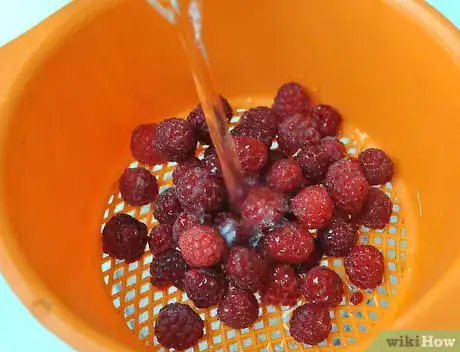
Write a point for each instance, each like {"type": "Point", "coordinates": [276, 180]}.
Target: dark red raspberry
{"type": "Point", "coordinates": [348, 164]}
{"type": "Point", "coordinates": [322, 286]}
{"type": "Point", "coordinates": [377, 165]}
{"type": "Point", "coordinates": [161, 239]}
{"type": "Point", "coordinates": [291, 99]}
{"type": "Point", "coordinates": [138, 186]}
{"type": "Point", "coordinates": [143, 144]}
{"type": "Point", "coordinates": [314, 162]}
{"type": "Point", "coordinates": [252, 154]}
{"type": "Point", "coordinates": [231, 229]}
{"type": "Point", "coordinates": [198, 120]}
{"type": "Point", "coordinates": [246, 268]}
{"type": "Point", "coordinates": [313, 260]}
{"type": "Point", "coordinates": [291, 244]}
{"type": "Point", "coordinates": [211, 163]}
{"type": "Point", "coordinates": [339, 238]}
{"type": "Point", "coordinates": [364, 266]}
{"type": "Point", "coordinates": [202, 246]}
{"type": "Point", "coordinates": [257, 131]}
{"type": "Point", "coordinates": [205, 287]}
{"type": "Point", "coordinates": [326, 119]}
{"type": "Point", "coordinates": [200, 192]}
{"type": "Point", "coordinates": [356, 298]}
{"type": "Point", "coordinates": [377, 209]}
{"type": "Point", "coordinates": [185, 221]}
{"type": "Point", "coordinates": [124, 237]}
{"type": "Point", "coordinates": [175, 139]}
{"type": "Point", "coordinates": [310, 324]}
{"type": "Point", "coordinates": [312, 207]}
{"type": "Point", "coordinates": [238, 309]}
{"type": "Point", "coordinates": [167, 207]}
{"type": "Point", "coordinates": [285, 176]}
{"type": "Point", "coordinates": [168, 269]}
{"type": "Point", "coordinates": [296, 132]}
{"type": "Point", "coordinates": [182, 168]}
{"type": "Point", "coordinates": [261, 115]}
{"type": "Point", "coordinates": [178, 326]}
{"type": "Point", "coordinates": [282, 287]}
{"type": "Point", "coordinates": [333, 148]}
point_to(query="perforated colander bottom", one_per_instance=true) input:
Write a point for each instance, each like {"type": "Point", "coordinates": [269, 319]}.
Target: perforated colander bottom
{"type": "Point", "coordinates": [138, 302]}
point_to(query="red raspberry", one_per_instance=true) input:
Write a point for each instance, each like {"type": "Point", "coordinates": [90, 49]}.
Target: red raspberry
{"type": "Point", "coordinates": [348, 164]}
{"type": "Point", "coordinates": [322, 286]}
{"type": "Point", "coordinates": [291, 99]}
{"type": "Point", "coordinates": [333, 148]}
{"type": "Point", "coordinates": [205, 287]}
{"type": "Point", "coordinates": [310, 324]}
{"type": "Point", "coordinates": [175, 139]}
{"type": "Point", "coordinates": [185, 221]}
{"type": "Point", "coordinates": [246, 268]}
{"type": "Point", "coordinates": [364, 266]}
{"type": "Point", "coordinates": [238, 309]}
{"type": "Point", "coordinates": [199, 192]}
{"type": "Point", "coordinates": [312, 207]}
{"type": "Point", "coordinates": [253, 181]}
{"type": "Point", "coordinates": [211, 163]}
{"type": "Point", "coordinates": [138, 186]}
{"type": "Point", "coordinates": [168, 269]}
{"type": "Point", "coordinates": [143, 145]}
{"type": "Point", "coordinates": [326, 119]}
{"type": "Point", "coordinates": [202, 246]}
{"type": "Point", "coordinates": [282, 287]}
{"type": "Point", "coordinates": [257, 131]}
{"type": "Point", "coordinates": [378, 167]}
{"type": "Point", "coordinates": [285, 176]}
{"type": "Point", "coordinates": [291, 244]}
{"type": "Point", "coordinates": [252, 154]}
{"type": "Point", "coordinates": [296, 132]}
{"type": "Point", "coordinates": [377, 209]}
{"type": "Point", "coordinates": [339, 238]}
{"type": "Point", "coordinates": [313, 260]}
{"type": "Point", "coordinates": [261, 115]}
{"type": "Point", "coordinates": [314, 162]}
{"type": "Point", "coordinates": [231, 229]}
{"type": "Point", "coordinates": [356, 298]}
{"type": "Point", "coordinates": [167, 207]}
{"type": "Point", "coordinates": [182, 168]}
{"type": "Point", "coordinates": [178, 326]}
{"type": "Point", "coordinates": [124, 237]}
{"type": "Point", "coordinates": [161, 239]}
{"type": "Point", "coordinates": [198, 120]}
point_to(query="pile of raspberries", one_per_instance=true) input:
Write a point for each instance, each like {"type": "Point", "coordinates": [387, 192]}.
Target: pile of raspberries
{"type": "Point", "coordinates": [306, 200]}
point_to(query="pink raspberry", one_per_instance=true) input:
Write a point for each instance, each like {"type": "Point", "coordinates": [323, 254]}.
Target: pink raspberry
{"type": "Point", "coordinates": [205, 287]}
{"type": "Point", "coordinates": [377, 209]}
{"type": "Point", "coordinates": [313, 260]}
{"type": "Point", "coordinates": [182, 168]}
{"type": "Point", "coordinates": [185, 221]}
{"type": "Point", "coordinates": [143, 145]}
{"type": "Point", "coordinates": [168, 268]}
{"type": "Point", "coordinates": [291, 99]}
{"type": "Point", "coordinates": [312, 207]}
{"type": "Point", "coordinates": [296, 132]}
{"type": "Point", "coordinates": [322, 286]}
{"type": "Point", "coordinates": [333, 148]}
{"type": "Point", "coordinates": [211, 163]}
{"type": "Point", "coordinates": [310, 324]}
{"type": "Point", "coordinates": [167, 207]}
{"type": "Point", "coordinates": [282, 287]}
{"type": "Point", "coordinates": [138, 186]}
{"type": "Point", "coordinates": [175, 139]}
{"type": "Point", "coordinates": [378, 167]}
{"type": "Point", "coordinates": [364, 266]}
{"type": "Point", "coordinates": [202, 246]}
{"type": "Point", "coordinates": [338, 239]}
{"type": "Point", "coordinates": [257, 131]}
{"type": "Point", "coordinates": [314, 162]}
{"type": "Point", "coordinates": [356, 298]}
{"type": "Point", "coordinates": [285, 176]}
{"type": "Point", "coordinates": [231, 229]}
{"type": "Point", "coordinates": [326, 119]}
{"type": "Point", "coordinates": [261, 115]}
{"type": "Point", "coordinates": [161, 239]}
{"type": "Point", "coordinates": [291, 244]}
{"type": "Point", "coordinates": [252, 154]}
{"type": "Point", "coordinates": [238, 309]}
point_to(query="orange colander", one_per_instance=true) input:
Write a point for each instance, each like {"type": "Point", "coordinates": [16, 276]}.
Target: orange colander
{"type": "Point", "coordinates": [73, 88]}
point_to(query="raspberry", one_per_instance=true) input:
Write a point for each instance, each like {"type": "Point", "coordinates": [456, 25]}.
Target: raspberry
{"type": "Point", "coordinates": [285, 176]}
{"type": "Point", "coordinates": [198, 120]}
{"type": "Point", "coordinates": [313, 260]}
{"type": "Point", "coordinates": [205, 287]}
{"type": "Point", "coordinates": [138, 186]}
{"type": "Point", "coordinates": [253, 181]}
{"type": "Point", "coordinates": [231, 229]}
{"type": "Point", "coordinates": [161, 239]}
{"type": "Point", "coordinates": [185, 221]}
{"type": "Point", "coordinates": [143, 144]}
{"type": "Point", "coordinates": [282, 287]}
{"type": "Point", "coordinates": [356, 298]}
{"type": "Point", "coordinates": [310, 324]}
{"type": "Point", "coordinates": [178, 326]}
{"type": "Point", "coordinates": [314, 162]}
{"type": "Point", "coordinates": [364, 266]}
{"type": "Point", "coordinates": [257, 131]}
{"type": "Point", "coordinates": [333, 148]}
{"type": "Point", "coordinates": [238, 309]}
{"type": "Point", "coordinates": [182, 168]}
{"type": "Point", "coordinates": [291, 99]}
{"type": "Point", "coordinates": [202, 246]}
{"type": "Point", "coordinates": [175, 139]}
{"type": "Point", "coordinates": [252, 154]}
{"type": "Point", "coordinates": [168, 268]}
{"type": "Point", "coordinates": [291, 244]}
{"type": "Point", "coordinates": [211, 163]}
{"type": "Point", "coordinates": [199, 192]}
{"type": "Point", "coordinates": [312, 207]}
{"type": "Point", "coordinates": [261, 115]}
{"type": "Point", "coordinates": [246, 268]}
{"type": "Point", "coordinates": [322, 286]}
{"type": "Point", "coordinates": [377, 209]}
{"type": "Point", "coordinates": [348, 164]}
{"type": "Point", "coordinates": [339, 238]}
{"type": "Point", "coordinates": [167, 207]}
{"type": "Point", "coordinates": [124, 237]}
{"type": "Point", "coordinates": [296, 132]}
{"type": "Point", "coordinates": [378, 167]}
{"type": "Point", "coordinates": [326, 119]}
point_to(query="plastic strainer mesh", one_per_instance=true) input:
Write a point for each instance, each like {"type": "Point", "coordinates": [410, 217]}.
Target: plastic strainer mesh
{"type": "Point", "coordinates": [138, 302]}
